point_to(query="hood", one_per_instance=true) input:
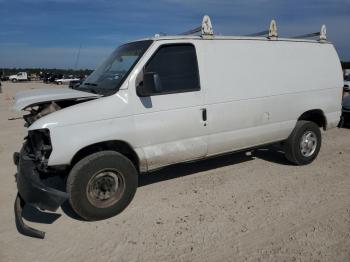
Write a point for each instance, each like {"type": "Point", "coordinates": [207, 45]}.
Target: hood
{"type": "Point", "coordinates": [33, 97]}
{"type": "Point", "coordinates": [346, 101]}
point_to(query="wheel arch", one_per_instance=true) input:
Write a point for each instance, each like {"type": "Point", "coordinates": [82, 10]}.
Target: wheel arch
{"type": "Point", "coordinates": [315, 115]}
{"type": "Point", "coordinates": [119, 146]}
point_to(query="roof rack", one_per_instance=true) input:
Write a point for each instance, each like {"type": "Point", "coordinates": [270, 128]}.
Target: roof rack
{"type": "Point", "coordinates": [271, 33]}
{"type": "Point", "coordinates": [206, 30]}
{"type": "Point", "coordinates": [322, 34]}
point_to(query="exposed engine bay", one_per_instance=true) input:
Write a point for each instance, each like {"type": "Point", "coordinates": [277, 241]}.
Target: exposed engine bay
{"type": "Point", "coordinates": [41, 102]}
{"type": "Point", "coordinates": [38, 111]}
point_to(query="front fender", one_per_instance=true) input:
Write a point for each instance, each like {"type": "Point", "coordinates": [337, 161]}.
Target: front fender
{"type": "Point", "coordinates": [68, 140]}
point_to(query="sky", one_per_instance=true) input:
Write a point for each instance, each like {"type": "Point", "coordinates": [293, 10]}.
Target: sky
{"type": "Point", "coordinates": [48, 33]}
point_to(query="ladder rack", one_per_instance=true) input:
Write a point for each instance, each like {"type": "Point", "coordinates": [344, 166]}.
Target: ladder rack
{"type": "Point", "coordinates": [206, 31]}
{"type": "Point", "coordinates": [192, 31]}
{"type": "Point", "coordinates": [266, 32]}
{"type": "Point", "coordinates": [322, 34]}
{"type": "Point", "coordinates": [306, 35]}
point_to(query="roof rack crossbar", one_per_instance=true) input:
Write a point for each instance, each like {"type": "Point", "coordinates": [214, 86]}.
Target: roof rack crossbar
{"type": "Point", "coordinates": [192, 31]}
{"type": "Point", "coordinates": [266, 32]}
{"type": "Point", "coordinates": [307, 35]}
{"type": "Point", "coordinates": [206, 31]}
{"type": "Point", "coordinates": [322, 34]}
{"type": "Point", "coordinates": [271, 33]}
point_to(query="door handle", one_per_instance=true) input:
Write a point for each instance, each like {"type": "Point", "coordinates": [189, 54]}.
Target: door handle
{"type": "Point", "coordinates": [204, 114]}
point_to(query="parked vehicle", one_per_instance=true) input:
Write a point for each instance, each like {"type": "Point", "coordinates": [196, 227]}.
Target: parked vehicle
{"type": "Point", "coordinates": [345, 117]}
{"type": "Point", "coordinates": [347, 83]}
{"type": "Point", "coordinates": [172, 99]}
{"type": "Point", "coordinates": [75, 83]}
{"type": "Point", "coordinates": [66, 80]}
{"type": "Point", "coordinates": [51, 78]}
{"type": "Point", "coordinates": [21, 76]}
{"type": "Point", "coordinates": [4, 78]}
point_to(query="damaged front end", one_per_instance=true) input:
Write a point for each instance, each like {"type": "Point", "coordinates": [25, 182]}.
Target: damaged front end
{"type": "Point", "coordinates": [32, 168]}
{"type": "Point", "coordinates": [34, 176]}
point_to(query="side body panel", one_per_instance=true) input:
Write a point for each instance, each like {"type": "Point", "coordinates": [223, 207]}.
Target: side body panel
{"type": "Point", "coordinates": [256, 90]}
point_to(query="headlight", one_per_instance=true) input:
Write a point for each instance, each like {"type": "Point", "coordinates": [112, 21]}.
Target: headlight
{"type": "Point", "coordinates": [39, 144]}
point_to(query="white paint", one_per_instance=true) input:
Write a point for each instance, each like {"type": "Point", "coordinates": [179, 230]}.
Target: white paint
{"type": "Point", "coordinates": [254, 90]}
{"type": "Point", "coordinates": [273, 30]}
{"type": "Point", "coordinates": [207, 28]}
{"type": "Point", "coordinates": [27, 98]}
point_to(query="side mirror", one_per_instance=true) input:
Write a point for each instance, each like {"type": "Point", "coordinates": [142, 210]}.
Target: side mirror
{"type": "Point", "coordinates": [151, 85]}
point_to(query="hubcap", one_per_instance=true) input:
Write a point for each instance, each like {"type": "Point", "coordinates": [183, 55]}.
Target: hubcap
{"type": "Point", "coordinates": [308, 143]}
{"type": "Point", "coordinates": [105, 188]}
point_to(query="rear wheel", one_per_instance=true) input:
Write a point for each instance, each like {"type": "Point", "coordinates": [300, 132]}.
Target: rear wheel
{"type": "Point", "coordinates": [102, 185]}
{"type": "Point", "coordinates": [303, 145]}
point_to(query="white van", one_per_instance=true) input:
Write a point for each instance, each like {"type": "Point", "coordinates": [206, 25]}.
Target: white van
{"type": "Point", "coordinates": [171, 99]}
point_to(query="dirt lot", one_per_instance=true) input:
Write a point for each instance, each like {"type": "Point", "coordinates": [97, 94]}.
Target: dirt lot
{"type": "Point", "coordinates": [238, 207]}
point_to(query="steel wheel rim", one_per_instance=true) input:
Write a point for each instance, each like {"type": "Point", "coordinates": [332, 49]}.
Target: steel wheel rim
{"type": "Point", "coordinates": [308, 143]}
{"type": "Point", "coordinates": [105, 188]}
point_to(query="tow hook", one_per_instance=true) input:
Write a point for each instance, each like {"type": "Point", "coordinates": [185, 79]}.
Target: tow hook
{"type": "Point", "coordinates": [21, 227]}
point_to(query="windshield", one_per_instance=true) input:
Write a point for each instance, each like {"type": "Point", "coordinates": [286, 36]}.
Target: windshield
{"type": "Point", "coordinates": [109, 76]}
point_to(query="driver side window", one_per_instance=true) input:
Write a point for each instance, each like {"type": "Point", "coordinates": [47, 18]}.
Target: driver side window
{"type": "Point", "coordinates": [176, 68]}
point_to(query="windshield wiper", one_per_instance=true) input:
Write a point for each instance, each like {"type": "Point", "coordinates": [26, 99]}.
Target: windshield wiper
{"type": "Point", "coordinates": [91, 90]}
{"type": "Point", "coordinates": [90, 84]}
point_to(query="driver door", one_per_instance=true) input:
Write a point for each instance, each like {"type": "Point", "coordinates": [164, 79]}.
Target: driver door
{"type": "Point", "coordinates": [170, 123]}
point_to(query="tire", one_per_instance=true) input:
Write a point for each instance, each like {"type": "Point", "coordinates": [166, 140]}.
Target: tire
{"type": "Point", "coordinates": [14, 80]}
{"type": "Point", "coordinates": [59, 83]}
{"type": "Point", "coordinates": [89, 178]}
{"type": "Point", "coordinates": [304, 143]}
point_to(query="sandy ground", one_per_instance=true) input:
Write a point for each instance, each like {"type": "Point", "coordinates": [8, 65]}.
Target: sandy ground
{"type": "Point", "coordinates": [231, 208]}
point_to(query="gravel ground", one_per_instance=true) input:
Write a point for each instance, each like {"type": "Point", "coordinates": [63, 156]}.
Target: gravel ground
{"type": "Point", "coordinates": [248, 206]}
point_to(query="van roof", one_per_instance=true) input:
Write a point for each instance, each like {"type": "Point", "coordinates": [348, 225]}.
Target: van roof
{"type": "Point", "coordinates": [207, 33]}
{"type": "Point", "coordinates": [222, 37]}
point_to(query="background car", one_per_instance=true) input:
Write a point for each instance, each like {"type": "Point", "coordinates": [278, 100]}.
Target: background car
{"type": "Point", "coordinates": [50, 78]}
{"type": "Point", "coordinates": [66, 80]}
{"type": "Point", "coordinates": [347, 83]}
{"type": "Point", "coordinates": [75, 83]}
{"type": "Point", "coordinates": [345, 117]}
{"type": "Point", "coordinates": [4, 78]}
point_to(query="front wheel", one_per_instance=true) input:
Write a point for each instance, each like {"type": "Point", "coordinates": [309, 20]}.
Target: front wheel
{"type": "Point", "coordinates": [101, 185]}
{"type": "Point", "coordinates": [304, 143]}
{"type": "Point", "coordinates": [14, 80]}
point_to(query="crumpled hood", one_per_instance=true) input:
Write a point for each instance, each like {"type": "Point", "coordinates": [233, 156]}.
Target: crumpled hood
{"type": "Point", "coordinates": [28, 98]}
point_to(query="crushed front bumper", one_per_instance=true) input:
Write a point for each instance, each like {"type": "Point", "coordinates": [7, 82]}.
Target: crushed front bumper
{"type": "Point", "coordinates": [31, 190]}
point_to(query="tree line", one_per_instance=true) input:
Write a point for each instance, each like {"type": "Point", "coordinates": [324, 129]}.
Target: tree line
{"type": "Point", "coordinates": [43, 71]}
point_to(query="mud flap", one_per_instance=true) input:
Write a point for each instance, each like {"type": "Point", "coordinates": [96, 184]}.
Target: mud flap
{"type": "Point", "coordinates": [21, 227]}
